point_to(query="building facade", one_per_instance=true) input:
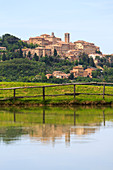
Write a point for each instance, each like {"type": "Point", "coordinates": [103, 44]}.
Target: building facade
{"type": "Point", "coordinates": [64, 48]}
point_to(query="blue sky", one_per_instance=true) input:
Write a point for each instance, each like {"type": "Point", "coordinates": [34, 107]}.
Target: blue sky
{"type": "Point", "coordinates": [89, 20]}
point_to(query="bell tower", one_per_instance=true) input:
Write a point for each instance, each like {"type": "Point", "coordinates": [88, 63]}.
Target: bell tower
{"type": "Point", "coordinates": [67, 37]}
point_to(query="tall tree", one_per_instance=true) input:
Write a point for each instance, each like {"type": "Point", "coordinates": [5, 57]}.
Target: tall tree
{"type": "Point", "coordinates": [20, 53]}
{"type": "Point", "coordinates": [4, 57]}
{"type": "Point", "coordinates": [29, 55]}
{"type": "Point", "coordinates": [55, 52]}
{"type": "Point", "coordinates": [91, 62]}
{"type": "Point", "coordinates": [36, 57]}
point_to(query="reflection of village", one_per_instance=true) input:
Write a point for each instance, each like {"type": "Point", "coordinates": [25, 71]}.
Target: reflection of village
{"type": "Point", "coordinates": [45, 131]}
{"type": "Point", "coordinates": [53, 133]}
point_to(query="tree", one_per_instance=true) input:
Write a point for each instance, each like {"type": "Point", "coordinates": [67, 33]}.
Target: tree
{"type": "Point", "coordinates": [97, 73]}
{"type": "Point", "coordinates": [4, 57]}
{"type": "Point", "coordinates": [97, 57]}
{"type": "Point", "coordinates": [44, 78]}
{"type": "Point", "coordinates": [36, 57]}
{"type": "Point", "coordinates": [20, 53]}
{"type": "Point", "coordinates": [29, 55]}
{"type": "Point", "coordinates": [91, 62]}
{"type": "Point", "coordinates": [71, 76]}
{"type": "Point", "coordinates": [24, 55]}
{"type": "Point", "coordinates": [76, 62]}
{"type": "Point", "coordinates": [80, 61]}
{"type": "Point", "coordinates": [98, 52]}
{"type": "Point", "coordinates": [55, 52]}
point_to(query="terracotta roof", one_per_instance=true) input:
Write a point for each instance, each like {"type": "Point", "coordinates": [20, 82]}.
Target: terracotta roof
{"type": "Point", "coordinates": [79, 41]}
{"type": "Point", "coordinates": [45, 34]}
{"type": "Point", "coordinates": [48, 74]}
{"type": "Point", "coordinates": [62, 42]}
{"type": "Point", "coordinates": [36, 37]}
{"type": "Point", "coordinates": [58, 37]}
{"type": "Point", "coordinates": [90, 69]}
{"type": "Point", "coordinates": [76, 67]}
{"type": "Point", "coordinates": [72, 43]}
{"type": "Point", "coordinates": [2, 47]}
{"type": "Point", "coordinates": [25, 49]}
{"type": "Point", "coordinates": [48, 48]}
{"type": "Point", "coordinates": [39, 48]}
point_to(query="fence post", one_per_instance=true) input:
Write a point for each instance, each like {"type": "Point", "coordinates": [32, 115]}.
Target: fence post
{"type": "Point", "coordinates": [104, 118]}
{"type": "Point", "coordinates": [44, 116]}
{"type": "Point", "coordinates": [103, 91]}
{"type": "Point", "coordinates": [74, 91]}
{"type": "Point", "coordinates": [14, 117]}
{"type": "Point", "coordinates": [14, 93]}
{"type": "Point", "coordinates": [44, 93]}
{"type": "Point", "coordinates": [74, 118]}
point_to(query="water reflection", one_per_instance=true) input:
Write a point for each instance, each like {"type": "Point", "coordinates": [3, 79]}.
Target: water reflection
{"type": "Point", "coordinates": [53, 133]}
{"type": "Point", "coordinates": [50, 125]}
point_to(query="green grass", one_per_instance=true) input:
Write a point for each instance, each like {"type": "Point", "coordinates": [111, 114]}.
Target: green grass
{"type": "Point", "coordinates": [53, 115]}
{"type": "Point", "coordinates": [52, 91]}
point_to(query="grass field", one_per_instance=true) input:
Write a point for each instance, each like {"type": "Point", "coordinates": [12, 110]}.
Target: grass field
{"type": "Point", "coordinates": [79, 99]}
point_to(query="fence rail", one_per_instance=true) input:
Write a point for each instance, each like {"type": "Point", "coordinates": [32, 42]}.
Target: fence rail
{"type": "Point", "coordinates": [74, 94]}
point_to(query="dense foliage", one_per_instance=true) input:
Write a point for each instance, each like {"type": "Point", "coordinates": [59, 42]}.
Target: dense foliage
{"type": "Point", "coordinates": [20, 70]}
{"type": "Point", "coordinates": [11, 43]}
{"type": "Point", "coordinates": [86, 61]}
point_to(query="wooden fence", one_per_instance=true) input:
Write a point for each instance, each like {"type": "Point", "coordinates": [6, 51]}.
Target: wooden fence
{"type": "Point", "coordinates": [65, 94]}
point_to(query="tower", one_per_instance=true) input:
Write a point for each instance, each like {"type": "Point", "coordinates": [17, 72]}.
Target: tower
{"type": "Point", "coordinates": [67, 37]}
{"type": "Point", "coordinates": [52, 34]}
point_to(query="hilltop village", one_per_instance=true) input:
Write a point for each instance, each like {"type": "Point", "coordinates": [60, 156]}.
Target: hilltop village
{"type": "Point", "coordinates": [46, 58]}
{"type": "Point", "coordinates": [49, 43]}
{"type": "Point", "coordinates": [65, 49]}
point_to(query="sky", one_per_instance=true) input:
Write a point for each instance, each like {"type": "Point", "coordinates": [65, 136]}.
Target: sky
{"type": "Point", "coordinates": [88, 20]}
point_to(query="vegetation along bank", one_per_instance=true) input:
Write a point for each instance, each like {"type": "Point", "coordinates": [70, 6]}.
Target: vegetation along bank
{"type": "Point", "coordinates": [49, 94]}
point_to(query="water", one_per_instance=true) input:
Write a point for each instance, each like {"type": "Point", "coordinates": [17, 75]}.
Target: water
{"type": "Point", "coordinates": [56, 138]}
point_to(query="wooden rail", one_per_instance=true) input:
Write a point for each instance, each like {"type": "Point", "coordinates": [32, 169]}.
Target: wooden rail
{"type": "Point", "coordinates": [68, 84]}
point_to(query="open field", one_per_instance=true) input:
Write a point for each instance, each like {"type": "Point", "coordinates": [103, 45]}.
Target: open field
{"type": "Point", "coordinates": [79, 99]}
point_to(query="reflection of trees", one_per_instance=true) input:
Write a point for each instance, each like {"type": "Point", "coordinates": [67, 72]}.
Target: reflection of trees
{"type": "Point", "coordinates": [10, 134]}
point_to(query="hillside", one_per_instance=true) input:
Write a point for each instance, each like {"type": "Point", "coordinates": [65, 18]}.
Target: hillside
{"type": "Point", "coordinates": [20, 69]}
{"type": "Point", "coordinates": [18, 66]}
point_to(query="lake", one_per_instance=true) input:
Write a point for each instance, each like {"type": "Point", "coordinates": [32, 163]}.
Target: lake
{"type": "Point", "coordinates": [50, 138]}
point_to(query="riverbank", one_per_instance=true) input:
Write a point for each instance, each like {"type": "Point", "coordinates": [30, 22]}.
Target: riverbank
{"type": "Point", "coordinates": [81, 94]}
{"type": "Point", "coordinates": [62, 103]}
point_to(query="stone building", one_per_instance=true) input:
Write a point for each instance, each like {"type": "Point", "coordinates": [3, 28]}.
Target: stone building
{"type": "Point", "coordinates": [48, 76]}
{"type": "Point", "coordinates": [89, 71]}
{"type": "Point", "coordinates": [73, 54]}
{"type": "Point", "coordinates": [51, 42]}
{"type": "Point", "coordinates": [86, 47]}
{"type": "Point", "coordinates": [38, 40]}
{"type": "Point", "coordinates": [44, 39]}
{"type": "Point", "coordinates": [2, 48]}
{"type": "Point", "coordinates": [60, 74]}
{"type": "Point", "coordinates": [40, 51]}
{"type": "Point", "coordinates": [78, 71]}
